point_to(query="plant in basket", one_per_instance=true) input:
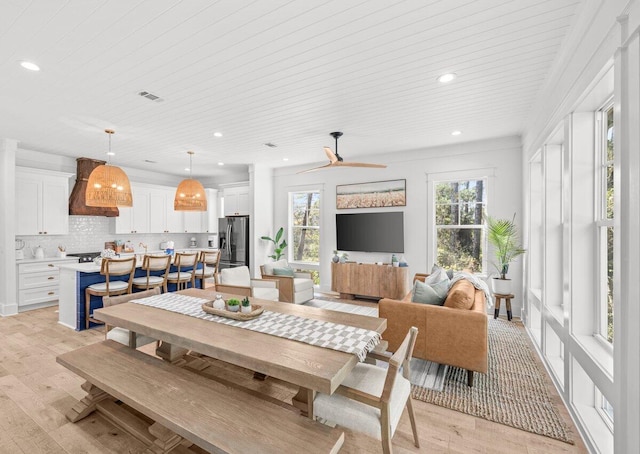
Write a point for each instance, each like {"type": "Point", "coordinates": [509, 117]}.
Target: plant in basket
{"type": "Point", "coordinates": [245, 306]}
{"type": "Point", "coordinates": [233, 305]}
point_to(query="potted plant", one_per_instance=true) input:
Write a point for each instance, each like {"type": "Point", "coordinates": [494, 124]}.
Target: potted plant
{"type": "Point", "coordinates": [278, 246]}
{"type": "Point", "coordinates": [344, 257]}
{"type": "Point", "coordinates": [233, 305]}
{"type": "Point", "coordinates": [245, 306]}
{"type": "Point", "coordinates": [336, 257]}
{"type": "Point", "coordinates": [503, 236]}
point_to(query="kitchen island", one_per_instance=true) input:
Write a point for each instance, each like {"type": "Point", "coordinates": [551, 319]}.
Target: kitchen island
{"type": "Point", "coordinates": [74, 279]}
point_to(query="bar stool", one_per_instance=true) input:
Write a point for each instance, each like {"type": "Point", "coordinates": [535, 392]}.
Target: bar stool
{"type": "Point", "coordinates": [109, 268]}
{"type": "Point", "coordinates": [153, 263]}
{"type": "Point", "coordinates": [185, 262]}
{"type": "Point", "coordinates": [211, 258]}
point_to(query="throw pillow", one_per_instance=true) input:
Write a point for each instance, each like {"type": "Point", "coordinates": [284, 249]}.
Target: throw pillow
{"type": "Point", "coordinates": [437, 275]}
{"type": "Point", "coordinates": [283, 272]}
{"type": "Point", "coordinates": [461, 295]}
{"type": "Point", "coordinates": [436, 268]}
{"type": "Point", "coordinates": [434, 294]}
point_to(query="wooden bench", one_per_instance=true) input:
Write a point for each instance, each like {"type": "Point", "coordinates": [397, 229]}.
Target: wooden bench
{"type": "Point", "coordinates": [188, 406]}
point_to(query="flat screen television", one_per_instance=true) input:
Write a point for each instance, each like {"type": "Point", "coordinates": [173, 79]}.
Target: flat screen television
{"type": "Point", "coordinates": [370, 232]}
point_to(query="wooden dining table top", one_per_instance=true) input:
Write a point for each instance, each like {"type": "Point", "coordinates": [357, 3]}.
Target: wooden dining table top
{"type": "Point", "coordinates": [312, 367]}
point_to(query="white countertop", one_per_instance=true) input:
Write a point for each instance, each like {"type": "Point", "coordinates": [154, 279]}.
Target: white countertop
{"type": "Point", "coordinates": [46, 259]}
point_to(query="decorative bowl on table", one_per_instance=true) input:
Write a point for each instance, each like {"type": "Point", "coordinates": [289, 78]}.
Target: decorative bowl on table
{"type": "Point", "coordinates": [256, 310]}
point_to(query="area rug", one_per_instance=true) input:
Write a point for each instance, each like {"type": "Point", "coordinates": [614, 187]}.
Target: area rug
{"type": "Point", "coordinates": [331, 304]}
{"type": "Point", "coordinates": [513, 392]}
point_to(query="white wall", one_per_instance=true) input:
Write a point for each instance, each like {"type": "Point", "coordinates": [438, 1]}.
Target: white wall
{"type": "Point", "coordinates": [261, 221]}
{"type": "Point", "coordinates": [498, 157]}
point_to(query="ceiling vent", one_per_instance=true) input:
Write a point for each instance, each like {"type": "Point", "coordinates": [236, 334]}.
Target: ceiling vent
{"type": "Point", "coordinates": [150, 96]}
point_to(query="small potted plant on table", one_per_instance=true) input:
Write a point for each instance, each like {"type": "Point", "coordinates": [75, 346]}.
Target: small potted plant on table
{"type": "Point", "coordinates": [233, 305]}
{"type": "Point", "coordinates": [503, 236]}
{"type": "Point", "coordinates": [245, 306]}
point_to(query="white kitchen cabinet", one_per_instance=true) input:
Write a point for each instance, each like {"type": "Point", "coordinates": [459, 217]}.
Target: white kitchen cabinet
{"type": "Point", "coordinates": [162, 217]}
{"type": "Point", "coordinates": [42, 202]}
{"type": "Point", "coordinates": [236, 201]}
{"type": "Point", "coordinates": [212, 215]}
{"type": "Point", "coordinates": [135, 219]}
{"type": "Point", "coordinates": [38, 283]}
{"type": "Point", "coordinates": [194, 221]}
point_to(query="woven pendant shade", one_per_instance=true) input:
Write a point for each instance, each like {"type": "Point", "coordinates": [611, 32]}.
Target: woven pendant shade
{"type": "Point", "coordinates": [108, 185]}
{"type": "Point", "coordinates": [190, 195]}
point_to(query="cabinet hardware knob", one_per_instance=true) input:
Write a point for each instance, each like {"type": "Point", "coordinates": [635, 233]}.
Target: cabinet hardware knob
{"type": "Point", "coordinates": [51, 278]}
{"type": "Point", "coordinates": [51, 293]}
{"type": "Point", "coordinates": [50, 264]}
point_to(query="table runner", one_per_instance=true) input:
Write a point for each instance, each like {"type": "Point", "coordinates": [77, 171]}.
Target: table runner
{"type": "Point", "coordinates": [350, 339]}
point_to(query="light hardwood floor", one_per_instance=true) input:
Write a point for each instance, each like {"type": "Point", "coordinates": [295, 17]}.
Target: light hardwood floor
{"type": "Point", "coordinates": [35, 392]}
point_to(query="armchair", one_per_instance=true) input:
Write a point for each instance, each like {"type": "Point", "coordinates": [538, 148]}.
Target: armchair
{"type": "Point", "coordinates": [295, 287]}
{"type": "Point", "coordinates": [238, 282]}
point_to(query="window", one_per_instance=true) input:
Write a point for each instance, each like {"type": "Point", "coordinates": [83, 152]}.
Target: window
{"type": "Point", "coordinates": [304, 220]}
{"type": "Point", "coordinates": [459, 209]}
{"type": "Point", "coordinates": [605, 222]}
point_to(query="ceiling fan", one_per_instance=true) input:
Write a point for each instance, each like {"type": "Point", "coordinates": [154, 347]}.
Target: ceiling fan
{"type": "Point", "coordinates": [335, 160]}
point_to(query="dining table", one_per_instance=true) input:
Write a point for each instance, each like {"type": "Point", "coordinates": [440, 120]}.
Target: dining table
{"type": "Point", "coordinates": [310, 367]}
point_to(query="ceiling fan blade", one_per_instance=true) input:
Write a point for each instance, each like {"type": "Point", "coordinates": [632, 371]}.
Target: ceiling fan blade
{"type": "Point", "coordinates": [331, 155]}
{"type": "Point", "coordinates": [326, 166]}
{"type": "Point", "coordinates": [360, 164]}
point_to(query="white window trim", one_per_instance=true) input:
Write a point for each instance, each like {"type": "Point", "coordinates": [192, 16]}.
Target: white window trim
{"type": "Point", "coordinates": [601, 224]}
{"type": "Point", "coordinates": [290, 227]}
{"type": "Point", "coordinates": [487, 174]}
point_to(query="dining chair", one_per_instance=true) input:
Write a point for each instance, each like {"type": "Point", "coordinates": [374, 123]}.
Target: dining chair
{"type": "Point", "coordinates": [238, 281]}
{"type": "Point", "coordinates": [371, 399]}
{"type": "Point", "coordinates": [109, 268]}
{"type": "Point", "coordinates": [152, 263]}
{"type": "Point", "coordinates": [210, 261]}
{"type": "Point", "coordinates": [122, 335]}
{"type": "Point", "coordinates": [185, 262]}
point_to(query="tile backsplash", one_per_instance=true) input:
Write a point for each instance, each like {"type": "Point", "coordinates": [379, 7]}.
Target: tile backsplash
{"type": "Point", "coordinates": [89, 233]}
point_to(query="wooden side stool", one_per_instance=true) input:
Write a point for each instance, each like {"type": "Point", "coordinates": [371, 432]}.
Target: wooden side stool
{"type": "Point", "coordinates": [498, 297]}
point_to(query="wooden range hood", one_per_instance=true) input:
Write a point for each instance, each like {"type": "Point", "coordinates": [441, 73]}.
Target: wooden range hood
{"type": "Point", "coordinates": [77, 200]}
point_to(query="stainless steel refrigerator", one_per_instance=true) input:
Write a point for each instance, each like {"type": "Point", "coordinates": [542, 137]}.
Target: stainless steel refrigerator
{"type": "Point", "coordinates": [233, 233]}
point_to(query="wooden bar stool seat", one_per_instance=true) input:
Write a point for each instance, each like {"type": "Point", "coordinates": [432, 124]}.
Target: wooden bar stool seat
{"type": "Point", "coordinates": [210, 261]}
{"type": "Point", "coordinates": [498, 297]}
{"type": "Point", "coordinates": [185, 262]}
{"type": "Point", "coordinates": [154, 263]}
{"type": "Point", "coordinates": [109, 268]}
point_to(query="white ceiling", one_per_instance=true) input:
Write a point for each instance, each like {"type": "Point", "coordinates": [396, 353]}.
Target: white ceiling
{"type": "Point", "coordinates": [281, 71]}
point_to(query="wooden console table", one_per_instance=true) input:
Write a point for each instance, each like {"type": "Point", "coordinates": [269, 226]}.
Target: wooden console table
{"type": "Point", "coordinates": [379, 281]}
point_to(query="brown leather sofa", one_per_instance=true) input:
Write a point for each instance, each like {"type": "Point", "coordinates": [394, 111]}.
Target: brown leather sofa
{"type": "Point", "coordinates": [447, 334]}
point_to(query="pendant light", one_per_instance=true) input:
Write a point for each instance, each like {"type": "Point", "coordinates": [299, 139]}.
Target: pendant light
{"type": "Point", "coordinates": [108, 185]}
{"type": "Point", "coordinates": [190, 195]}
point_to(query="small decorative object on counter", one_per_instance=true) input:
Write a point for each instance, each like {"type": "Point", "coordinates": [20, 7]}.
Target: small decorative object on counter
{"type": "Point", "coordinates": [245, 306]}
{"type": "Point", "coordinates": [336, 257]}
{"type": "Point", "coordinates": [219, 303]}
{"type": "Point", "coordinates": [118, 244]}
{"type": "Point", "coordinates": [62, 251]}
{"type": "Point", "coordinates": [344, 257]}
{"type": "Point", "coordinates": [394, 260]}
{"type": "Point", "coordinates": [233, 305]}
{"type": "Point", "coordinates": [169, 250]}
{"type": "Point", "coordinates": [403, 262]}
{"type": "Point", "coordinates": [128, 246]}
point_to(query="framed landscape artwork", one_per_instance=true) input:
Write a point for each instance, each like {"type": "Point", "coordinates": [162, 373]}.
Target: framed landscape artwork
{"type": "Point", "coordinates": [390, 193]}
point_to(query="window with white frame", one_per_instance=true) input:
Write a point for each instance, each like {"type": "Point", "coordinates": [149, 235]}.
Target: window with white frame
{"type": "Point", "coordinates": [605, 221]}
{"type": "Point", "coordinates": [304, 227]}
{"type": "Point", "coordinates": [459, 228]}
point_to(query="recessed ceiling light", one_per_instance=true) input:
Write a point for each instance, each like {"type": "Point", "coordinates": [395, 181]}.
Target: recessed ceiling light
{"type": "Point", "coordinates": [444, 78]}
{"type": "Point", "coordinates": [30, 66]}
{"type": "Point", "coordinates": [456, 133]}
{"type": "Point", "coordinates": [110, 153]}
{"type": "Point", "coordinates": [221, 163]}
{"type": "Point", "coordinates": [285, 159]}
{"type": "Point", "coordinates": [217, 134]}
{"type": "Point", "coordinates": [187, 169]}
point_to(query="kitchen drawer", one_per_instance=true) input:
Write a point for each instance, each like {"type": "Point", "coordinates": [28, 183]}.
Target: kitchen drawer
{"type": "Point", "coordinates": [37, 267]}
{"type": "Point", "coordinates": [37, 295]}
{"type": "Point", "coordinates": [41, 279]}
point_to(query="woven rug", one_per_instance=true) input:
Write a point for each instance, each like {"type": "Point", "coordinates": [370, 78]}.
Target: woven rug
{"type": "Point", "coordinates": [513, 392]}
